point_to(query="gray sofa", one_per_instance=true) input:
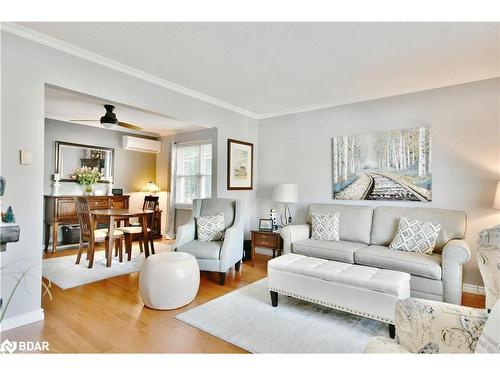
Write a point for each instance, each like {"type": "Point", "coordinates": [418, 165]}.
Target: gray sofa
{"type": "Point", "coordinates": [366, 232]}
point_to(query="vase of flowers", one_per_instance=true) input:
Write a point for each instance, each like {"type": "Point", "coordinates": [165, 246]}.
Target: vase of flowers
{"type": "Point", "coordinates": [88, 178]}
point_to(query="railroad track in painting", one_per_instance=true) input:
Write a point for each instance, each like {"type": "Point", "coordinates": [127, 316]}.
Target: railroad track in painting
{"type": "Point", "coordinates": [384, 187]}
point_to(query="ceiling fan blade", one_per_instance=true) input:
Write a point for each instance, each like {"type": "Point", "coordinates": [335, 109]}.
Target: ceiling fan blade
{"type": "Point", "coordinates": [129, 126]}
{"type": "Point", "coordinates": [84, 120]}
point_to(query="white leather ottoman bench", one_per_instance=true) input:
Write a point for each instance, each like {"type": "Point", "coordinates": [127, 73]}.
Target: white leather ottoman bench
{"type": "Point", "coordinates": [360, 290]}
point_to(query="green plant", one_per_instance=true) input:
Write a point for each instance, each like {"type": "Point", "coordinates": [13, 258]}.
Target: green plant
{"type": "Point", "coordinates": [87, 176]}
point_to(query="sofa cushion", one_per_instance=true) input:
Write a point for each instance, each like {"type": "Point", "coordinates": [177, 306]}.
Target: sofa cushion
{"type": "Point", "coordinates": [386, 219]}
{"type": "Point", "coordinates": [415, 236]}
{"type": "Point", "coordinates": [414, 263]}
{"type": "Point", "coordinates": [325, 226]}
{"type": "Point", "coordinates": [355, 221]}
{"type": "Point", "coordinates": [202, 250]}
{"type": "Point", "coordinates": [342, 251]}
{"type": "Point", "coordinates": [424, 285]}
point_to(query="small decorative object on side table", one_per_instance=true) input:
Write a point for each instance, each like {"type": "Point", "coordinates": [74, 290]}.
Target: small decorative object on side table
{"type": "Point", "coordinates": [265, 225]}
{"type": "Point", "coordinates": [267, 240]}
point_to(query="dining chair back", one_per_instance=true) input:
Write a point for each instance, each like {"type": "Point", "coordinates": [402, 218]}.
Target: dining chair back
{"type": "Point", "coordinates": [84, 218]}
{"type": "Point", "coordinates": [152, 203]}
{"type": "Point", "coordinates": [88, 233]}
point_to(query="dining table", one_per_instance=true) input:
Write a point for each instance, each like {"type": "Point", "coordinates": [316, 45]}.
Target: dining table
{"type": "Point", "coordinates": [124, 214]}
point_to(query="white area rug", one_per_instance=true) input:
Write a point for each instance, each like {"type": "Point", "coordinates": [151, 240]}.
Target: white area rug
{"type": "Point", "coordinates": [246, 319]}
{"type": "Point", "coordinates": [65, 273]}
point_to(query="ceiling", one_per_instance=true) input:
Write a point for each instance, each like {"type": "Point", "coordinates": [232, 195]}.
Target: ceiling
{"type": "Point", "coordinates": [65, 105]}
{"type": "Point", "coordinates": [269, 69]}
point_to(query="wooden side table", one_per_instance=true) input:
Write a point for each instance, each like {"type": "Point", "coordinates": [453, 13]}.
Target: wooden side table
{"type": "Point", "coordinates": [267, 240]}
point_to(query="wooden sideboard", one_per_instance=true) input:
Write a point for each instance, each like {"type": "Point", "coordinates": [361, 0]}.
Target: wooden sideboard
{"type": "Point", "coordinates": [61, 210]}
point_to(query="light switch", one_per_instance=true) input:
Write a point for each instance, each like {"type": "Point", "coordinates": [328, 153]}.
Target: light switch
{"type": "Point", "coordinates": [26, 157]}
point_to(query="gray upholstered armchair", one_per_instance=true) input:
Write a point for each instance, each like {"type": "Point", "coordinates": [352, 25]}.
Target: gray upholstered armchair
{"type": "Point", "coordinates": [216, 256]}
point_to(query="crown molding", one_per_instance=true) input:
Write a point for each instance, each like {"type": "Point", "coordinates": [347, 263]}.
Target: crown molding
{"type": "Point", "coordinates": [71, 49]}
{"type": "Point", "coordinates": [359, 99]}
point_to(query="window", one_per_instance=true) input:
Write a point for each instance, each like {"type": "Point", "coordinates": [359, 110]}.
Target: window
{"type": "Point", "coordinates": [194, 171]}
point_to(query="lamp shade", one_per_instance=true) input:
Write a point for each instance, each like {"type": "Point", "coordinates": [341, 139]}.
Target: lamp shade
{"type": "Point", "coordinates": [287, 193]}
{"type": "Point", "coordinates": [151, 188]}
{"type": "Point", "coordinates": [496, 204]}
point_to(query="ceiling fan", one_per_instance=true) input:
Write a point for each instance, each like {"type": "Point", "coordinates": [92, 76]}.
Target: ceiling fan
{"type": "Point", "coordinates": [110, 121]}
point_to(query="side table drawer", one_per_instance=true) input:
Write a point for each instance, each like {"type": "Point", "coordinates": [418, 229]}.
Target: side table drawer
{"type": "Point", "coordinates": [98, 203]}
{"type": "Point", "coordinates": [266, 240]}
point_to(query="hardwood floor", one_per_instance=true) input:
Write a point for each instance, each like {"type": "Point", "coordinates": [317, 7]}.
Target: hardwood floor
{"type": "Point", "coordinates": [473, 300]}
{"type": "Point", "coordinates": [108, 317]}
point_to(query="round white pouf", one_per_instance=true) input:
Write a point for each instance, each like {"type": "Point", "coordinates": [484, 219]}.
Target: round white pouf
{"type": "Point", "coordinates": [169, 280]}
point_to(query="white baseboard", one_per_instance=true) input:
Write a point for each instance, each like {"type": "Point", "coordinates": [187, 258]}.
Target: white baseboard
{"type": "Point", "coordinates": [21, 320]}
{"type": "Point", "coordinates": [474, 289]}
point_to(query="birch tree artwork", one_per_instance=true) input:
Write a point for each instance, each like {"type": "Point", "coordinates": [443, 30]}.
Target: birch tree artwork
{"type": "Point", "coordinates": [393, 165]}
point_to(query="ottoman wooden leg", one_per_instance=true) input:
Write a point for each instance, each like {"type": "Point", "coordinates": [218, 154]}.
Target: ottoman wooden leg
{"type": "Point", "coordinates": [392, 331]}
{"type": "Point", "coordinates": [274, 298]}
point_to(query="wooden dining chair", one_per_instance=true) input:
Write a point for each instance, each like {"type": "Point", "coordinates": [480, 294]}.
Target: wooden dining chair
{"type": "Point", "coordinates": [90, 235]}
{"type": "Point", "coordinates": [150, 203]}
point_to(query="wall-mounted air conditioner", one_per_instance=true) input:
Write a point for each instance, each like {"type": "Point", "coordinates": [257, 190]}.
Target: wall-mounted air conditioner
{"type": "Point", "coordinates": [141, 144]}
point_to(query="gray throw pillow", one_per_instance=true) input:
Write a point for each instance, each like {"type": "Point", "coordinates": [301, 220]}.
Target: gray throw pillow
{"type": "Point", "coordinates": [415, 236]}
{"type": "Point", "coordinates": [325, 226]}
{"type": "Point", "coordinates": [211, 227]}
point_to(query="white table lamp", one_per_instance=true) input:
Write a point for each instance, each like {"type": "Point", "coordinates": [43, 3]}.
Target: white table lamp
{"type": "Point", "coordinates": [286, 193]}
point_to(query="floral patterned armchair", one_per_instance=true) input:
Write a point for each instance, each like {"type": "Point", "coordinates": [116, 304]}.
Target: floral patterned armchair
{"type": "Point", "coordinates": [424, 326]}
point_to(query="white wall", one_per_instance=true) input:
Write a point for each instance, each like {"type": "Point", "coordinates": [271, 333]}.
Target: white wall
{"type": "Point", "coordinates": [132, 169]}
{"type": "Point", "coordinates": [465, 130]}
{"type": "Point", "coordinates": [26, 68]}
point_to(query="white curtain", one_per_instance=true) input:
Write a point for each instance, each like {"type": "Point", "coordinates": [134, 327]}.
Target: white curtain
{"type": "Point", "coordinates": [171, 199]}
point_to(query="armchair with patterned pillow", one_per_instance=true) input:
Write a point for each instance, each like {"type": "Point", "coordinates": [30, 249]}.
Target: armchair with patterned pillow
{"type": "Point", "coordinates": [424, 326]}
{"type": "Point", "coordinates": [217, 251]}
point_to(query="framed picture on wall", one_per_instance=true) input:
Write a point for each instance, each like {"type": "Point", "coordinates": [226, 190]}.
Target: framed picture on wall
{"type": "Point", "coordinates": [239, 165]}
{"type": "Point", "coordinates": [391, 165]}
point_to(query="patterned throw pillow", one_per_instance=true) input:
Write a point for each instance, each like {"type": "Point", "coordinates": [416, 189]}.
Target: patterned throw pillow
{"type": "Point", "coordinates": [325, 226]}
{"type": "Point", "coordinates": [415, 236]}
{"type": "Point", "coordinates": [211, 227]}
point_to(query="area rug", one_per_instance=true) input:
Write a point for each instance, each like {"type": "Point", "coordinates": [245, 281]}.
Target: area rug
{"type": "Point", "coordinates": [65, 273]}
{"type": "Point", "coordinates": [246, 319]}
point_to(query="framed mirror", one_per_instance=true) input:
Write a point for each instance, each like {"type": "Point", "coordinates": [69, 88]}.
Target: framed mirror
{"type": "Point", "coordinates": [70, 156]}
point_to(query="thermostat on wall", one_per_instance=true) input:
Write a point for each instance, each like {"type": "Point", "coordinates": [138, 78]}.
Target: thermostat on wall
{"type": "Point", "coordinates": [26, 157]}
